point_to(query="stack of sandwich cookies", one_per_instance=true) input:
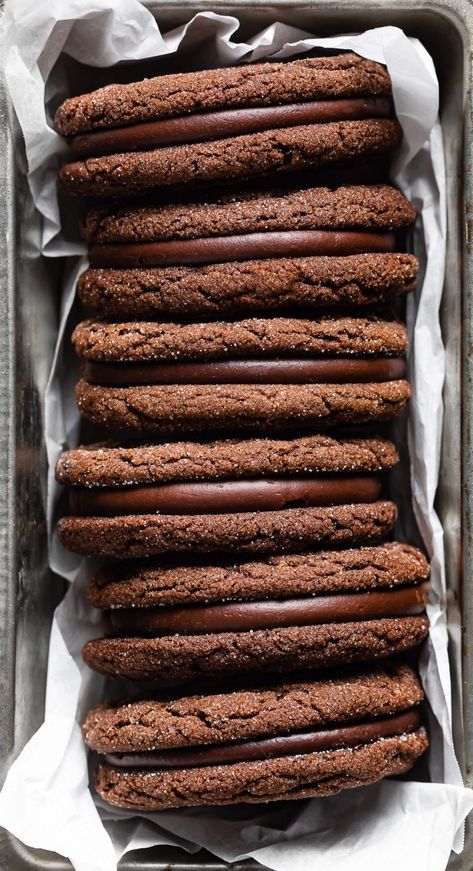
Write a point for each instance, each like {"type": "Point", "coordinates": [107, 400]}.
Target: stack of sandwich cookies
{"type": "Point", "coordinates": [279, 351]}
{"type": "Point", "coordinates": [277, 613]}
{"type": "Point", "coordinates": [236, 322]}
{"type": "Point", "coordinates": [289, 740]}
{"type": "Point", "coordinates": [238, 123]}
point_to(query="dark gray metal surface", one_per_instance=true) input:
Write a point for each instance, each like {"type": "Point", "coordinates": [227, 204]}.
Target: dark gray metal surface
{"type": "Point", "coordinates": [28, 322]}
{"type": "Point", "coordinates": [7, 431]}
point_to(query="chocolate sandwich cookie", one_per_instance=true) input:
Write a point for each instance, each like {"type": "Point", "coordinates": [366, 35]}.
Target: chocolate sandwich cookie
{"type": "Point", "coordinates": [286, 740]}
{"type": "Point", "coordinates": [247, 374]}
{"type": "Point", "coordinates": [346, 220]}
{"type": "Point", "coordinates": [306, 627]}
{"type": "Point", "coordinates": [249, 286]}
{"type": "Point", "coordinates": [227, 123]}
{"type": "Point", "coordinates": [226, 495]}
{"type": "Point", "coordinates": [355, 612]}
{"type": "Point", "coordinates": [193, 96]}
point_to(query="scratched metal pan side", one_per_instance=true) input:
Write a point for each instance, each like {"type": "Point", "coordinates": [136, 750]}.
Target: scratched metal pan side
{"type": "Point", "coordinates": [28, 593]}
{"type": "Point", "coordinates": [8, 587]}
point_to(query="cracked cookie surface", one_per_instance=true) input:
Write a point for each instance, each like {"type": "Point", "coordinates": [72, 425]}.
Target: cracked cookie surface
{"type": "Point", "coordinates": [354, 206]}
{"type": "Point", "coordinates": [109, 465]}
{"type": "Point", "coordinates": [249, 286]}
{"type": "Point", "coordinates": [261, 650]}
{"type": "Point", "coordinates": [143, 341]}
{"type": "Point", "coordinates": [258, 532]}
{"type": "Point", "coordinates": [247, 407]}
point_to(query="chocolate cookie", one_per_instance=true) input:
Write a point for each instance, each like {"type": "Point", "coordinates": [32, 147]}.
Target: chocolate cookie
{"type": "Point", "coordinates": [255, 532]}
{"type": "Point", "coordinates": [278, 649]}
{"type": "Point", "coordinates": [347, 220]}
{"type": "Point", "coordinates": [357, 206]}
{"type": "Point", "coordinates": [151, 583]}
{"type": "Point", "coordinates": [153, 341]}
{"type": "Point", "coordinates": [272, 84]}
{"type": "Point", "coordinates": [366, 207]}
{"type": "Point", "coordinates": [216, 408]}
{"type": "Point", "coordinates": [251, 286]}
{"type": "Point", "coordinates": [107, 465]}
{"type": "Point", "coordinates": [262, 744]}
{"type": "Point", "coordinates": [252, 712]}
{"type": "Point", "coordinates": [238, 157]}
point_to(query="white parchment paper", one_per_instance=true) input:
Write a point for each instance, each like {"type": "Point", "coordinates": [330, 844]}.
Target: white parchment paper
{"type": "Point", "coordinates": [46, 801]}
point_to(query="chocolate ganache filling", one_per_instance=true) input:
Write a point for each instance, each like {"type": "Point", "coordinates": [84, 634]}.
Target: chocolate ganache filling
{"type": "Point", "coordinates": [213, 497]}
{"type": "Point", "coordinates": [247, 246]}
{"type": "Point", "coordinates": [279, 370]}
{"type": "Point", "coordinates": [198, 127]}
{"type": "Point", "coordinates": [350, 735]}
{"type": "Point", "coordinates": [266, 614]}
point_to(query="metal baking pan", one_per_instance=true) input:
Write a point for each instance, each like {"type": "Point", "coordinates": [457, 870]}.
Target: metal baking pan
{"type": "Point", "coordinates": [28, 592]}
